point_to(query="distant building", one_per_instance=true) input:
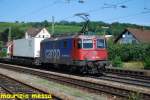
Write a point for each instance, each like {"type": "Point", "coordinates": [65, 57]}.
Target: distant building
{"type": "Point", "coordinates": [30, 33]}
{"type": "Point", "coordinates": [108, 37]}
{"type": "Point", "coordinates": [132, 36]}
{"type": "Point", "coordinates": [9, 48]}
{"type": "Point", "coordinates": [37, 33]}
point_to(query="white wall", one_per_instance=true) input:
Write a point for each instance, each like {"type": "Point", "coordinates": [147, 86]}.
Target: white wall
{"type": "Point", "coordinates": [43, 34]}
{"type": "Point", "coordinates": [127, 38]}
{"type": "Point", "coordinates": [27, 47]}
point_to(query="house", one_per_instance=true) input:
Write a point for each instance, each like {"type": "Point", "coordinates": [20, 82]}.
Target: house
{"type": "Point", "coordinates": [37, 33]}
{"type": "Point", "coordinates": [9, 48]}
{"type": "Point", "coordinates": [132, 36]}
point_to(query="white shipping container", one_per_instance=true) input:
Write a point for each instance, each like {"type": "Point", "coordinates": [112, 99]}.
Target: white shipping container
{"type": "Point", "coordinates": [27, 47]}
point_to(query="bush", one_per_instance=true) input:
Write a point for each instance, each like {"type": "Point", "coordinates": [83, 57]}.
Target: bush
{"type": "Point", "coordinates": [3, 53]}
{"type": "Point", "coordinates": [116, 62]}
{"type": "Point", "coordinates": [135, 96]}
{"type": "Point", "coordinates": [147, 62]}
{"type": "Point", "coordinates": [129, 52]}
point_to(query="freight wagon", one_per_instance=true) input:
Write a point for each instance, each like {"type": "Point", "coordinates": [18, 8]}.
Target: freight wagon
{"type": "Point", "coordinates": [26, 50]}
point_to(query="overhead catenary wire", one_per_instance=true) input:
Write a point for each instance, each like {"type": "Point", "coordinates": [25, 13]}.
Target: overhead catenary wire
{"type": "Point", "coordinates": [95, 10]}
{"type": "Point", "coordinates": [128, 16]}
{"type": "Point", "coordinates": [144, 4]}
{"type": "Point", "coordinates": [100, 8]}
{"type": "Point", "coordinates": [39, 9]}
{"type": "Point", "coordinates": [113, 5]}
{"type": "Point", "coordinates": [146, 11]}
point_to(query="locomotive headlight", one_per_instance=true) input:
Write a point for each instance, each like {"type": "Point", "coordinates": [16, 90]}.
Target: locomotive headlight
{"type": "Point", "coordinates": [93, 57]}
{"type": "Point", "coordinates": [97, 57]}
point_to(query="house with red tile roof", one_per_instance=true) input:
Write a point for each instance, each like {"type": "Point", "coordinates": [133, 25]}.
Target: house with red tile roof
{"type": "Point", "coordinates": [37, 33]}
{"type": "Point", "coordinates": [132, 36]}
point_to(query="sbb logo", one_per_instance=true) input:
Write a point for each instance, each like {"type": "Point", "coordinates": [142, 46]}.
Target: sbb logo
{"type": "Point", "coordinates": [53, 54]}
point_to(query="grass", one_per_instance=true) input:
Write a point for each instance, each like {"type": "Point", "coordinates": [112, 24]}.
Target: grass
{"type": "Point", "coordinates": [134, 96]}
{"type": "Point", "coordinates": [65, 28]}
{"type": "Point", "coordinates": [133, 65]}
{"type": "Point", "coordinates": [5, 25]}
{"type": "Point", "coordinates": [66, 89]}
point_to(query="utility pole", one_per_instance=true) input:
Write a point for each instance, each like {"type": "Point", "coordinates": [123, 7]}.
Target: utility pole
{"type": "Point", "coordinates": [9, 34]}
{"type": "Point", "coordinates": [53, 25]}
{"type": "Point", "coordinates": [104, 28]}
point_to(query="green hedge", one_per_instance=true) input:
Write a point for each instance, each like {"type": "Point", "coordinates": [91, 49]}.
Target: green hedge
{"type": "Point", "coordinates": [130, 52]}
{"type": "Point", "coordinates": [116, 62]}
{"type": "Point", "coordinates": [3, 54]}
{"type": "Point", "coordinates": [147, 62]}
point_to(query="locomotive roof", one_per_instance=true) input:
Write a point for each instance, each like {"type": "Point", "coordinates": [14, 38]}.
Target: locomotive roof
{"type": "Point", "coordinates": [73, 36]}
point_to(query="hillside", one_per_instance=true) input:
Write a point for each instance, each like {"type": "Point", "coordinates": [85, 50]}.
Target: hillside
{"type": "Point", "coordinates": [18, 28]}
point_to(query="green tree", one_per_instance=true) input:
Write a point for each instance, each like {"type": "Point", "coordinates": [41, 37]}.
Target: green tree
{"type": "Point", "coordinates": [45, 23]}
{"type": "Point", "coordinates": [147, 62]}
{"type": "Point", "coordinates": [1, 44]}
{"type": "Point", "coordinates": [4, 35]}
{"type": "Point", "coordinates": [16, 33]}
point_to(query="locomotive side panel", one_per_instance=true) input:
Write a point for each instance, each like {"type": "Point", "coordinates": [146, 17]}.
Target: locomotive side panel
{"type": "Point", "coordinates": [57, 51]}
{"type": "Point", "coordinates": [66, 51]}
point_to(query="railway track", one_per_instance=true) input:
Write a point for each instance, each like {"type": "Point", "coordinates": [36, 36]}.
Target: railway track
{"type": "Point", "coordinates": [90, 84]}
{"type": "Point", "coordinates": [140, 74]}
{"type": "Point", "coordinates": [126, 80]}
{"type": "Point", "coordinates": [16, 90]}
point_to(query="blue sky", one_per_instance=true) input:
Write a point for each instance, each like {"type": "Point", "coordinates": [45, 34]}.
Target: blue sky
{"type": "Point", "coordinates": [99, 10]}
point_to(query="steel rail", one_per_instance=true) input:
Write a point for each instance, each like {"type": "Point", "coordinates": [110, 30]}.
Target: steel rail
{"type": "Point", "coordinates": [14, 86]}
{"type": "Point", "coordinates": [77, 82]}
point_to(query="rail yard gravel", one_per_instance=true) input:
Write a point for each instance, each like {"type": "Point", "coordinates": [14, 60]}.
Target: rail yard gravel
{"type": "Point", "coordinates": [58, 90]}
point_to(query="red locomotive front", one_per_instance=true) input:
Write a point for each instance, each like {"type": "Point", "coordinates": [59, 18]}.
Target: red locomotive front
{"type": "Point", "coordinates": [90, 50]}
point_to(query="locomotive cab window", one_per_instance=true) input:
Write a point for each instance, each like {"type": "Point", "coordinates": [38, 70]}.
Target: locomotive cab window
{"type": "Point", "coordinates": [100, 43]}
{"type": "Point", "coordinates": [87, 43]}
{"type": "Point", "coordinates": [79, 43]}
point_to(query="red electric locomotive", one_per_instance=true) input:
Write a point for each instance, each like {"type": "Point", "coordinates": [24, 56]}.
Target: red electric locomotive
{"type": "Point", "coordinates": [90, 51]}
{"type": "Point", "coordinates": [81, 52]}
{"type": "Point", "coordinates": [84, 53]}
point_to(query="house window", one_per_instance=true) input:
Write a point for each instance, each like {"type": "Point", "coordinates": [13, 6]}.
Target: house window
{"type": "Point", "coordinates": [123, 35]}
{"type": "Point", "coordinates": [134, 41]}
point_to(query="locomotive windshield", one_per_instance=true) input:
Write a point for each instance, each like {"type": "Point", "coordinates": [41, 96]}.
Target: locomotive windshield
{"type": "Point", "coordinates": [87, 43]}
{"type": "Point", "coordinates": [100, 43]}
{"type": "Point", "coordinates": [79, 43]}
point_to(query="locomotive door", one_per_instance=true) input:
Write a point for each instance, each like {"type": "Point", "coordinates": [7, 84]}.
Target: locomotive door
{"type": "Point", "coordinates": [76, 46]}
